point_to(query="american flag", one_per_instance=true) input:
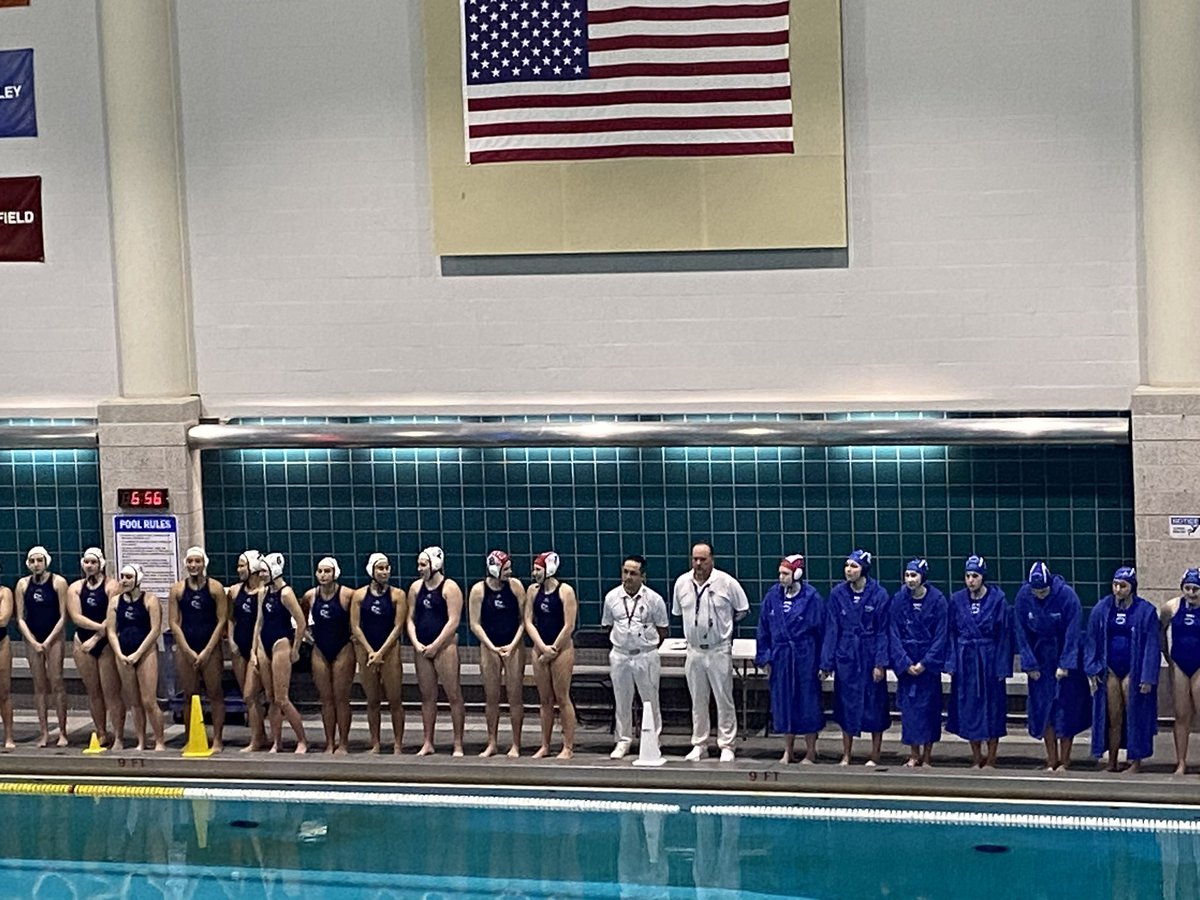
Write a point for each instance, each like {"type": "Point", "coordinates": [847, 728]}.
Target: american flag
{"type": "Point", "coordinates": [553, 80]}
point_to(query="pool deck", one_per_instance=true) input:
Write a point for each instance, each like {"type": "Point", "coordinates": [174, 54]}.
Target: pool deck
{"type": "Point", "coordinates": [757, 768]}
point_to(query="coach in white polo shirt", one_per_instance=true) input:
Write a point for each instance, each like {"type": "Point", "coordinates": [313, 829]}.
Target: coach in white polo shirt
{"type": "Point", "coordinates": [638, 619]}
{"type": "Point", "coordinates": [709, 601]}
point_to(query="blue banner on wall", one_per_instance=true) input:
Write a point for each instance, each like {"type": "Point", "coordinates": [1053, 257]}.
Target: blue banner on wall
{"type": "Point", "coordinates": [18, 112]}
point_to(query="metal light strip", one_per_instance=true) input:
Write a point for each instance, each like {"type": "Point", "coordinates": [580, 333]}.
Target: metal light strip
{"type": "Point", "coordinates": [48, 437]}
{"type": "Point", "coordinates": [842, 433]}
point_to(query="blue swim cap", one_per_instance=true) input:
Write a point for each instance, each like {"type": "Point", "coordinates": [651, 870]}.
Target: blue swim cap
{"type": "Point", "coordinates": [862, 558]}
{"type": "Point", "coordinates": [1126, 573]}
{"type": "Point", "coordinates": [1039, 576]}
{"type": "Point", "coordinates": [1191, 576]}
{"type": "Point", "coordinates": [920, 566]}
{"type": "Point", "coordinates": [977, 564]}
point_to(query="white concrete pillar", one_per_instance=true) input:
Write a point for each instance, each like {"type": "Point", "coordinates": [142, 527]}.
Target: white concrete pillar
{"type": "Point", "coordinates": [143, 444]}
{"type": "Point", "coordinates": [1169, 37]}
{"type": "Point", "coordinates": [143, 434]}
{"type": "Point", "coordinates": [145, 162]}
{"type": "Point", "coordinates": [1166, 408]}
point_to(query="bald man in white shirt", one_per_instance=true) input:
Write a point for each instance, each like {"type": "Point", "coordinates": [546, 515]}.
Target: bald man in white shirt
{"type": "Point", "coordinates": [709, 601]}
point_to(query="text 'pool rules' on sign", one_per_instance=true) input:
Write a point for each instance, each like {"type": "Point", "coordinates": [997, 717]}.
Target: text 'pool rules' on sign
{"type": "Point", "coordinates": [151, 542]}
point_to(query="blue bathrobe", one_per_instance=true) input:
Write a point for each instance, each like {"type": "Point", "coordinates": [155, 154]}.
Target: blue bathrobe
{"type": "Point", "coordinates": [1141, 714]}
{"type": "Point", "coordinates": [791, 642]}
{"type": "Point", "coordinates": [919, 637]}
{"type": "Point", "coordinates": [856, 641]}
{"type": "Point", "coordinates": [980, 659]}
{"type": "Point", "coordinates": [1049, 636]}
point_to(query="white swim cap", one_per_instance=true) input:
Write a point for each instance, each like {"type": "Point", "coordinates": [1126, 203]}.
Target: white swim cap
{"type": "Point", "coordinates": [274, 564]}
{"type": "Point", "coordinates": [136, 571]}
{"type": "Point", "coordinates": [373, 560]}
{"type": "Point", "coordinates": [38, 550]}
{"type": "Point", "coordinates": [94, 553]}
{"type": "Point", "coordinates": [333, 564]}
{"type": "Point", "coordinates": [196, 551]}
{"type": "Point", "coordinates": [436, 557]}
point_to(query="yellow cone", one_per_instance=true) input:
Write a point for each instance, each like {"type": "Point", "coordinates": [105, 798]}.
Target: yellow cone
{"type": "Point", "coordinates": [197, 742]}
{"type": "Point", "coordinates": [93, 746]}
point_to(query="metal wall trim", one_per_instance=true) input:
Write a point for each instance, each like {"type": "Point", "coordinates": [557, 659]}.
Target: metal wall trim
{"type": "Point", "coordinates": [815, 433]}
{"type": "Point", "coordinates": [48, 437]}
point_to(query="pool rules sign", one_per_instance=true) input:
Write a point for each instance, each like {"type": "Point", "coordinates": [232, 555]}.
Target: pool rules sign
{"type": "Point", "coordinates": [21, 219]}
{"type": "Point", "coordinates": [153, 543]}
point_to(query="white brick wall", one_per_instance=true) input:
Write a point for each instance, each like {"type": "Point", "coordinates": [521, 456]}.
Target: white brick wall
{"type": "Point", "coordinates": [992, 193]}
{"type": "Point", "coordinates": [58, 351]}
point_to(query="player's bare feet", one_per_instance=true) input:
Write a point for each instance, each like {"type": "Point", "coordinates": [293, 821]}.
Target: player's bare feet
{"type": "Point", "coordinates": [565, 753]}
{"type": "Point", "coordinates": [541, 752]}
{"type": "Point", "coordinates": [426, 750]}
{"type": "Point", "coordinates": [514, 752]}
{"type": "Point", "coordinates": [489, 750]}
{"type": "Point", "coordinates": [301, 747]}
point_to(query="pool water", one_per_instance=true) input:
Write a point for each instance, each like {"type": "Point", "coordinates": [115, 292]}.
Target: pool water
{"type": "Point", "coordinates": [74, 846]}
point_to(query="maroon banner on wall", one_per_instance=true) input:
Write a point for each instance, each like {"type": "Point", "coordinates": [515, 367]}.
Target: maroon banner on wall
{"type": "Point", "coordinates": [21, 219]}
{"type": "Point", "coordinates": [14, 2]}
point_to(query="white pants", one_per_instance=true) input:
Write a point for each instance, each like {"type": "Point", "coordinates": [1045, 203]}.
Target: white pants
{"type": "Point", "coordinates": [711, 671]}
{"type": "Point", "coordinates": [641, 669]}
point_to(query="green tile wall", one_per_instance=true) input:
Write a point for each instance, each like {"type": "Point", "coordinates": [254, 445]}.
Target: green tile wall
{"type": "Point", "coordinates": [48, 497]}
{"type": "Point", "coordinates": [1070, 505]}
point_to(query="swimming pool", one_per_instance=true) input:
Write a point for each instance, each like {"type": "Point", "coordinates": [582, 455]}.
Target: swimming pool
{"type": "Point", "coordinates": [453, 842]}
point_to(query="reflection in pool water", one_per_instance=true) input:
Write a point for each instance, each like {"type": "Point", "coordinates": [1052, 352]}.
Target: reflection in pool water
{"type": "Point", "coordinates": [84, 847]}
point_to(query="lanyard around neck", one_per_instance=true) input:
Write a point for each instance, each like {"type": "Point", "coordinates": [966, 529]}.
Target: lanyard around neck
{"type": "Point", "coordinates": [701, 589]}
{"type": "Point", "coordinates": [629, 614]}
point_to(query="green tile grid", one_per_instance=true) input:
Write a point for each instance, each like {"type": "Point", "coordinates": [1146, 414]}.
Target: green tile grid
{"type": "Point", "coordinates": [52, 498]}
{"type": "Point", "coordinates": [1070, 505]}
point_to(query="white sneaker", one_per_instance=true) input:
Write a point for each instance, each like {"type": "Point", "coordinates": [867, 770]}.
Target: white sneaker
{"type": "Point", "coordinates": [696, 754]}
{"type": "Point", "coordinates": [726, 754]}
{"type": "Point", "coordinates": [620, 750]}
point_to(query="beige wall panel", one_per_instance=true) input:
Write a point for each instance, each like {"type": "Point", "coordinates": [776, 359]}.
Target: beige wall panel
{"type": "Point", "coordinates": [598, 214]}
{"type": "Point", "coordinates": [718, 203]}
